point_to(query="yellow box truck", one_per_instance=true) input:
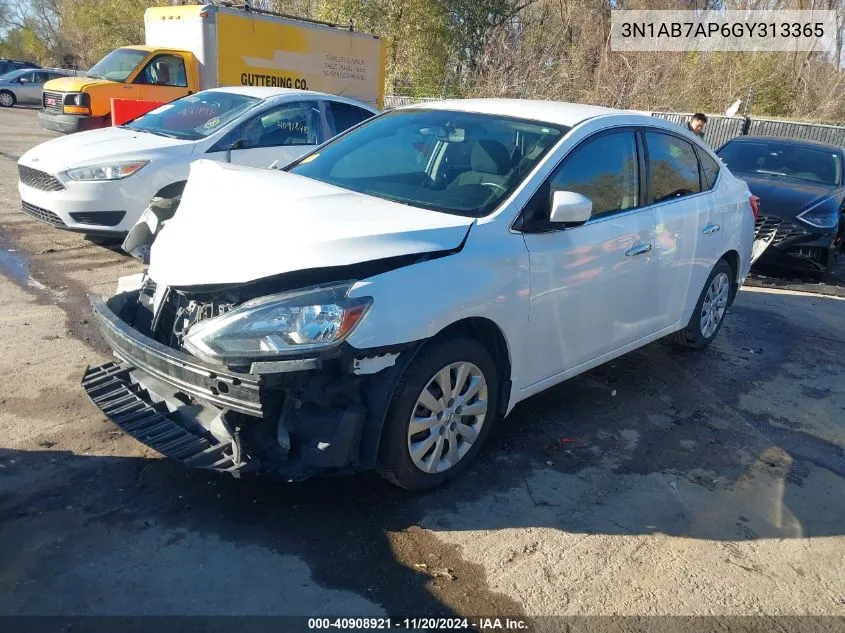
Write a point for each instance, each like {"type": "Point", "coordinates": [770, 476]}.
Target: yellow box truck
{"type": "Point", "coordinates": [195, 47]}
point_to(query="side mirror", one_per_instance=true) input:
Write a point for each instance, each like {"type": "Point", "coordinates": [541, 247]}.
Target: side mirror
{"type": "Point", "coordinates": [23, 80]}
{"type": "Point", "coordinates": [569, 207]}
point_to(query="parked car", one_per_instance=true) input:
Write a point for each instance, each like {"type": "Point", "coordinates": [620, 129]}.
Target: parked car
{"type": "Point", "coordinates": [24, 85]}
{"type": "Point", "coordinates": [801, 186]}
{"type": "Point", "coordinates": [8, 65]}
{"type": "Point", "coordinates": [100, 181]}
{"type": "Point", "coordinates": [386, 299]}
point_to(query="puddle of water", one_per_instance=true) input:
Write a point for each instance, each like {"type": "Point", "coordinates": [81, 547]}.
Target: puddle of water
{"type": "Point", "coordinates": [14, 265]}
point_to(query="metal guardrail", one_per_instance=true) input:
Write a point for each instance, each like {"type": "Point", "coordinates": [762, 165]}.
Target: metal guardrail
{"type": "Point", "coordinates": [397, 101]}
{"type": "Point", "coordinates": [833, 134]}
{"type": "Point", "coordinates": [719, 129]}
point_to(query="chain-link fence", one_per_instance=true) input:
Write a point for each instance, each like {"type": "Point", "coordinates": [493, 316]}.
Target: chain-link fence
{"type": "Point", "coordinates": [719, 129]}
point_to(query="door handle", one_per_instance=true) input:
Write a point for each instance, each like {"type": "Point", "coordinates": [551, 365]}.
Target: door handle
{"type": "Point", "coordinates": [640, 249]}
{"type": "Point", "coordinates": [711, 228]}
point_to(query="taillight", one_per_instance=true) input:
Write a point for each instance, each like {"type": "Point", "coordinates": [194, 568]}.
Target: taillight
{"type": "Point", "coordinates": [755, 206]}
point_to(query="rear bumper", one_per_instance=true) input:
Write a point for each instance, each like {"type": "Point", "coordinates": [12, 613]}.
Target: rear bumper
{"type": "Point", "coordinates": [69, 123]}
{"type": "Point", "coordinates": [294, 424]}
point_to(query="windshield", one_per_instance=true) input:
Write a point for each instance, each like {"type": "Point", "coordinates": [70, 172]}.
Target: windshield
{"type": "Point", "coordinates": [455, 162]}
{"type": "Point", "coordinates": [117, 65]}
{"type": "Point", "coordinates": [812, 164]}
{"type": "Point", "coordinates": [195, 116]}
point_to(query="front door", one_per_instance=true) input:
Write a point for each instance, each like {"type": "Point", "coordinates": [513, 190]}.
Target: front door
{"type": "Point", "coordinates": [163, 79]}
{"type": "Point", "coordinates": [587, 281]}
{"type": "Point", "coordinates": [30, 87]}
{"type": "Point", "coordinates": [280, 134]}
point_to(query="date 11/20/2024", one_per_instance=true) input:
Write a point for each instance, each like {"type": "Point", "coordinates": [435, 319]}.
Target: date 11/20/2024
{"type": "Point", "coordinates": [424, 624]}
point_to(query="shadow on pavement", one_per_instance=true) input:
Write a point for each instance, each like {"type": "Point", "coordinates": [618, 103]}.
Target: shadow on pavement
{"type": "Point", "coordinates": [659, 441]}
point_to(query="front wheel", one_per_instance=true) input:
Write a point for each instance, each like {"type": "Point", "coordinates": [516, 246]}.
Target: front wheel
{"type": "Point", "coordinates": [441, 412]}
{"type": "Point", "coordinates": [709, 313]}
{"type": "Point", "coordinates": [7, 99]}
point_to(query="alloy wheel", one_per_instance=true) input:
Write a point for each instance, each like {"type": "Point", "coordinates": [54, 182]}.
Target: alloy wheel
{"type": "Point", "coordinates": [715, 304]}
{"type": "Point", "coordinates": [447, 417]}
{"type": "Point", "coordinates": [6, 100]}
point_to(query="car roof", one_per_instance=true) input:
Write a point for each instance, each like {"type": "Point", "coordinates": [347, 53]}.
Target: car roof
{"type": "Point", "coordinates": [552, 112]}
{"type": "Point", "coordinates": [785, 140]}
{"type": "Point", "coordinates": [262, 92]}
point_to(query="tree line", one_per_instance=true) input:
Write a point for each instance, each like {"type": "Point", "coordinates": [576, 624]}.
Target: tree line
{"type": "Point", "coordinates": [549, 49]}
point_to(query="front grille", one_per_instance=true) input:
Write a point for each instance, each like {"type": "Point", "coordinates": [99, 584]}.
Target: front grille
{"type": "Point", "coordinates": [39, 179]}
{"type": "Point", "coordinates": [53, 101]}
{"type": "Point", "coordinates": [42, 214]}
{"type": "Point", "coordinates": [788, 230]}
{"type": "Point", "coordinates": [99, 218]}
{"type": "Point", "coordinates": [777, 230]}
{"type": "Point", "coordinates": [766, 227]}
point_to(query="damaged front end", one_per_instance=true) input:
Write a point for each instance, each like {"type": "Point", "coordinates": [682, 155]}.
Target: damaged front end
{"type": "Point", "coordinates": [315, 410]}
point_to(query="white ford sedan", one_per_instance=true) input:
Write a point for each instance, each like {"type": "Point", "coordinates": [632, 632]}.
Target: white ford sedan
{"type": "Point", "coordinates": [388, 298]}
{"type": "Point", "coordinates": [100, 181]}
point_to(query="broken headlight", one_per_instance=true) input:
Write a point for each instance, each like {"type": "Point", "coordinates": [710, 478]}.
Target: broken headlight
{"type": "Point", "coordinates": [279, 325]}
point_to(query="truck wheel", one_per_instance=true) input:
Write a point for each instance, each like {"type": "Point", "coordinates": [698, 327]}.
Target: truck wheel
{"type": "Point", "coordinates": [709, 313]}
{"type": "Point", "coordinates": [441, 412]}
{"type": "Point", "coordinates": [7, 99]}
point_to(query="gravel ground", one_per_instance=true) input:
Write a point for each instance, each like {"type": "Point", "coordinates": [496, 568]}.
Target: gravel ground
{"type": "Point", "coordinates": [664, 483]}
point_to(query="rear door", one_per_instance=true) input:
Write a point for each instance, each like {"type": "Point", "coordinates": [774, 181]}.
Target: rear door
{"type": "Point", "coordinates": [341, 116]}
{"type": "Point", "coordinates": [688, 226]}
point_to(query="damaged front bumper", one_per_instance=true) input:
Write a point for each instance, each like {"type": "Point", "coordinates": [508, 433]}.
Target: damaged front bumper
{"type": "Point", "coordinates": [302, 418]}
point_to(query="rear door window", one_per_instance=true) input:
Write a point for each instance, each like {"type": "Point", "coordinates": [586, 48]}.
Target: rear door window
{"type": "Point", "coordinates": [673, 167]}
{"type": "Point", "coordinates": [342, 116]}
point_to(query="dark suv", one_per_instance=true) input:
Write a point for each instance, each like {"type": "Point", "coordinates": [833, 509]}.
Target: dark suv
{"type": "Point", "coordinates": [7, 65]}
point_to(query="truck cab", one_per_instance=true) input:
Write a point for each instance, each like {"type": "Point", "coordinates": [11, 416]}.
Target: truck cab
{"type": "Point", "coordinates": [140, 73]}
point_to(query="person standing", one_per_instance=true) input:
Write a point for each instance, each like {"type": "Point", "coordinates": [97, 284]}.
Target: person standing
{"type": "Point", "coordinates": [696, 124]}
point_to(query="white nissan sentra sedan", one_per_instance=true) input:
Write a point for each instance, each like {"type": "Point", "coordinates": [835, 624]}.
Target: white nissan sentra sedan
{"type": "Point", "coordinates": [388, 298]}
{"type": "Point", "coordinates": [100, 181]}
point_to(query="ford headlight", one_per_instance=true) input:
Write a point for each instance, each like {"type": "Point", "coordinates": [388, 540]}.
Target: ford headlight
{"type": "Point", "coordinates": [279, 325]}
{"type": "Point", "coordinates": [114, 171]}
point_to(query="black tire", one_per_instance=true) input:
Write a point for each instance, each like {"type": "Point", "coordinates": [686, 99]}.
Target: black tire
{"type": "Point", "coordinates": [827, 276]}
{"type": "Point", "coordinates": [691, 335]}
{"type": "Point", "coordinates": [10, 95]}
{"type": "Point", "coordinates": [394, 460]}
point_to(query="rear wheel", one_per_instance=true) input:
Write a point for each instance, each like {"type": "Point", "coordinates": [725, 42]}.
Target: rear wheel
{"type": "Point", "coordinates": [7, 99]}
{"type": "Point", "coordinates": [709, 313]}
{"type": "Point", "coordinates": [441, 412]}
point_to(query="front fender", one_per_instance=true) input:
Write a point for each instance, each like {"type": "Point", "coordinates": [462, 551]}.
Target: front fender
{"type": "Point", "coordinates": [488, 278]}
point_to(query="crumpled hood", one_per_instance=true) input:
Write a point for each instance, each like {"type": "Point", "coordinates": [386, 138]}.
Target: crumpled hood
{"type": "Point", "coordinates": [99, 146]}
{"type": "Point", "coordinates": [239, 224]}
{"type": "Point", "coordinates": [785, 197]}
